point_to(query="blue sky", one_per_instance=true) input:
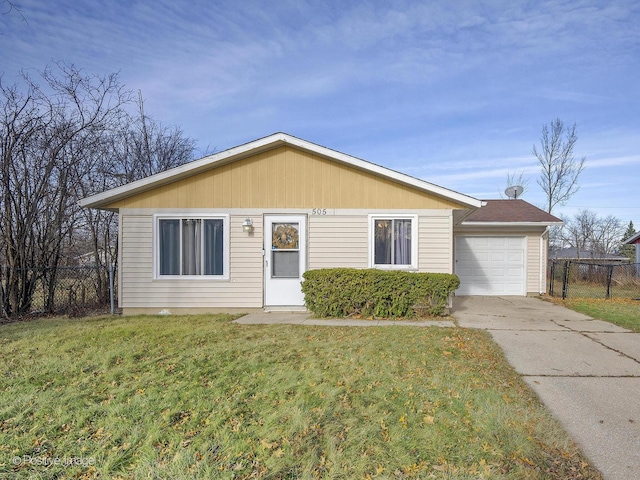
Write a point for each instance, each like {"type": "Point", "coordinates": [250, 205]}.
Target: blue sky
{"type": "Point", "coordinates": [454, 92]}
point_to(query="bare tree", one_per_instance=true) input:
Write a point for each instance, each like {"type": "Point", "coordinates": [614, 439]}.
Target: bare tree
{"type": "Point", "coordinates": [560, 168]}
{"type": "Point", "coordinates": [578, 232]}
{"type": "Point", "coordinates": [44, 131]}
{"type": "Point", "coordinates": [12, 7]}
{"type": "Point", "coordinates": [607, 234]}
{"type": "Point", "coordinates": [586, 232]}
{"type": "Point", "coordinates": [153, 147]}
{"type": "Point", "coordinates": [139, 147]}
{"type": "Point", "coordinates": [67, 139]}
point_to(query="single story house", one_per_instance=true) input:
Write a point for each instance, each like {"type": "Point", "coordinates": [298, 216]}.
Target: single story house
{"type": "Point", "coordinates": [235, 231]}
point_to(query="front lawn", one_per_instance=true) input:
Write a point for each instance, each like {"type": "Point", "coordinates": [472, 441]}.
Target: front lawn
{"type": "Point", "coordinates": [198, 397]}
{"type": "Point", "coordinates": [624, 312]}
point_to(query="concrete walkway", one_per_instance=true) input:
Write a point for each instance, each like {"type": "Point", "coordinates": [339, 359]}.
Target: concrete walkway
{"type": "Point", "coordinates": [587, 372]}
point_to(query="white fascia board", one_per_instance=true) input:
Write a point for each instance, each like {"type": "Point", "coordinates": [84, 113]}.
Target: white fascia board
{"type": "Point", "coordinates": [178, 173]}
{"type": "Point", "coordinates": [385, 172]}
{"type": "Point", "coordinates": [509, 224]}
{"type": "Point", "coordinates": [262, 144]}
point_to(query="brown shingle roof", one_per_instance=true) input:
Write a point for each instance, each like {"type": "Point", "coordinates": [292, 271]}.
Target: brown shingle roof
{"type": "Point", "coordinates": [513, 210]}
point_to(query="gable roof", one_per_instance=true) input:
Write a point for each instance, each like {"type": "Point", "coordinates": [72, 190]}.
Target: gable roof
{"type": "Point", "coordinates": [261, 145]}
{"type": "Point", "coordinates": [510, 212]}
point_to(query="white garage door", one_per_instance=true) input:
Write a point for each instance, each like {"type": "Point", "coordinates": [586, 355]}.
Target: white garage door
{"type": "Point", "coordinates": [490, 265]}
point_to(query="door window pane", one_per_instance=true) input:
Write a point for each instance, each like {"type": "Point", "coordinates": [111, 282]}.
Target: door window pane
{"type": "Point", "coordinates": [285, 264]}
{"type": "Point", "coordinates": [285, 236]}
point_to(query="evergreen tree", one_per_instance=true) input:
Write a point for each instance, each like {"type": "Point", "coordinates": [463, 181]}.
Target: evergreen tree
{"type": "Point", "coordinates": [628, 250]}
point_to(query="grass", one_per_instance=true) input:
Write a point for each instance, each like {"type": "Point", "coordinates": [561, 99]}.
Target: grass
{"type": "Point", "coordinates": [200, 397]}
{"type": "Point", "coordinates": [624, 312]}
{"type": "Point", "coordinates": [590, 290]}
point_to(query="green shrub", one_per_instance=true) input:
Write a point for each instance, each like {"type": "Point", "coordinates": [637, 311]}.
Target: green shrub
{"type": "Point", "coordinates": [343, 292]}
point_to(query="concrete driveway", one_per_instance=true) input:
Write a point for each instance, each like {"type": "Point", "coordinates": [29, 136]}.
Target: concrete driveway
{"type": "Point", "coordinates": [587, 372]}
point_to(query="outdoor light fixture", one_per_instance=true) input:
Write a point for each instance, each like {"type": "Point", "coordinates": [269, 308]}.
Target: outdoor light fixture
{"type": "Point", "coordinates": [247, 225]}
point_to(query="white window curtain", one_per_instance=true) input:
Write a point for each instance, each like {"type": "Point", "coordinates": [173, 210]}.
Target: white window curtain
{"type": "Point", "coordinates": [402, 244]}
{"type": "Point", "coordinates": [191, 246]}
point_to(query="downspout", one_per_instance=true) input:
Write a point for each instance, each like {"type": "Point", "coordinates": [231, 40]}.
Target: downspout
{"type": "Point", "coordinates": [542, 277]}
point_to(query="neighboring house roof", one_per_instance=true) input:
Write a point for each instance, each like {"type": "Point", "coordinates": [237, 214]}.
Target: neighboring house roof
{"type": "Point", "coordinates": [572, 253]}
{"type": "Point", "coordinates": [633, 240]}
{"type": "Point", "coordinates": [261, 145]}
{"type": "Point", "coordinates": [510, 212]}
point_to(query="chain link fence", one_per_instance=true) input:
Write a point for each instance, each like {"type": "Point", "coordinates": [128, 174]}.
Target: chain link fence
{"type": "Point", "coordinates": [73, 291]}
{"type": "Point", "coordinates": [580, 279]}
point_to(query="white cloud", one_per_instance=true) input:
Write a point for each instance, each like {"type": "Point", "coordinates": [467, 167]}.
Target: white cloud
{"type": "Point", "coordinates": [609, 162]}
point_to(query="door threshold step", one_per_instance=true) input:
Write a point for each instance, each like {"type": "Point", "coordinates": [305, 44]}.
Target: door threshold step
{"type": "Point", "coordinates": [281, 309]}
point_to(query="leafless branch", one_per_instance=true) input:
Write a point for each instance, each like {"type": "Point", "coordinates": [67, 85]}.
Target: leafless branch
{"type": "Point", "coordinates": [559, 167]}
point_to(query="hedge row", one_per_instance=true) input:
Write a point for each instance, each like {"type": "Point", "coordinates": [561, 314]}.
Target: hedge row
{"type": "Point", "coordinates": [343, 292]}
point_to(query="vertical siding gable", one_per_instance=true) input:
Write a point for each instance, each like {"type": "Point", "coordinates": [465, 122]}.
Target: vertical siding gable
{"type": "Point", "coordinates": [285, 177]}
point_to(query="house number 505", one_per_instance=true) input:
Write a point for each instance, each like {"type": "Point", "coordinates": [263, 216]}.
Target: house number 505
{"type": "Point", "coordinates": [319, 211]}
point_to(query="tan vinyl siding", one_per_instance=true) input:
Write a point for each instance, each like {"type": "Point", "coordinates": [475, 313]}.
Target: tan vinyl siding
{"type": "Point", "coordinates": [136, 256]}
{"type": "Point", "coordinates": [140, 290]}
{"type": "Point", "coordinates": [286, 177]}
{"type": "Point", "coordinates": [533, 264]}
{"type": "Point", "coordinates": [435, 250]}
{"type": "Point", "coordinates": [532, 245]}
{"type": "Point", "coordinates": [544, 262]}
{"type": "Point", "coordinates": [343, 241]}
{"type": "Point", "coordinates": [338, 241]}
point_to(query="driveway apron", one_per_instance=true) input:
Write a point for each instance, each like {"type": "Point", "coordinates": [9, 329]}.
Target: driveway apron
{"type": "Point", "coordinates": [586, 371]}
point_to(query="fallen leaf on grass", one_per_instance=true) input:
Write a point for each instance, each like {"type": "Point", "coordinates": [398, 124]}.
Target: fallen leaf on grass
{"type": "Point", "coordinates": [268, 445]}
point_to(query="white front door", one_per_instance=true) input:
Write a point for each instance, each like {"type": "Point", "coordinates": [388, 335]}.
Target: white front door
{"type": "Point", "coordinates": [285, 246]}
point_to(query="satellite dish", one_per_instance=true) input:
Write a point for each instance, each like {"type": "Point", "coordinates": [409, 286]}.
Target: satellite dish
{"type": "Point", "coordinates": [514, 191]}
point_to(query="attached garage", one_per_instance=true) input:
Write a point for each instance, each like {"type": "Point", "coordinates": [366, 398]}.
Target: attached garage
{"type": "Point", "coordinates": [491, 265]}
{"type": "Point", "coordinates": [501, 249]}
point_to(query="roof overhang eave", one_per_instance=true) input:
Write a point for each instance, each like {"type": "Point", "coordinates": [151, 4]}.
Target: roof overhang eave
{"type": "Point", "coordinates": [101, 200]}
{"type": "Point", "coordinates": [178, 173]}
{"type": "Point", "coordinates": [511, 224]}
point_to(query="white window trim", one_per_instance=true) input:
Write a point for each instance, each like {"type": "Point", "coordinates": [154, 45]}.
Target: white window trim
{"type": "Point", "coordinates": [414, 240]}
{"type": "Point", "coordinates": [178, 216]}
